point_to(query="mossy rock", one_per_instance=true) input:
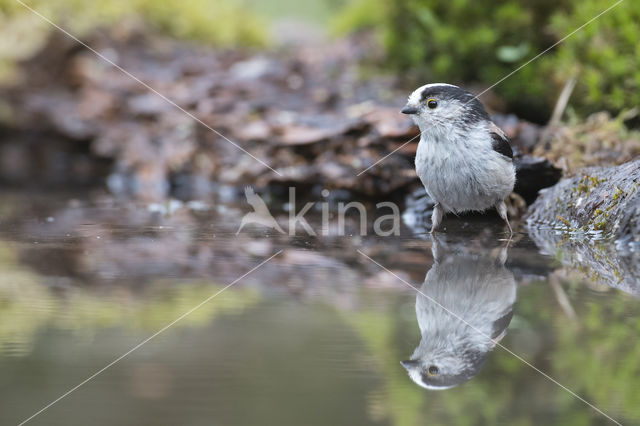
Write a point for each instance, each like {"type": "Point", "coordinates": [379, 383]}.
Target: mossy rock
{"type": "Point", "coordinates": [599, 201]}
{"type": "Point", "coordinates": [602, 262]}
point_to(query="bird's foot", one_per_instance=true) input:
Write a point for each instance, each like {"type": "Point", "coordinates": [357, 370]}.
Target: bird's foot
{"type": "Point", "coordinates": [436, 217]}
{"type": "Point", "coordinates": [510, 230]}
{"type": "Point", "coordinates": [501, 207]}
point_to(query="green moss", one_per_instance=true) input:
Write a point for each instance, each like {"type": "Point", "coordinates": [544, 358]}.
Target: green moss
{"type": "Point", "coordinates": [587, 184]}
{"type": "Point", "coordinates": [618, 193]}
{"type": "Point", "coordinates": [600, 220]}
{"type": "Point", "coordinates": [600, 226]}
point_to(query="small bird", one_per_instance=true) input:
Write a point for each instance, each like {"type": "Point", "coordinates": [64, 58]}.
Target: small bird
{"type": "Point", "coordinates": [464, 159]}
{"type": "Point", "coordinates": [481, 293]}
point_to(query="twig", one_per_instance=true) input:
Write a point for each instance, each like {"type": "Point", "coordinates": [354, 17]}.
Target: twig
{"type": "Point", "coordinates": [561, 297]}
{"type": "Point", "coordinates": [563, 100]}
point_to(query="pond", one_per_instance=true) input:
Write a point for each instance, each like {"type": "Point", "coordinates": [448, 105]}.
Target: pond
{"type": "Point", "coordinates": [163, 314]}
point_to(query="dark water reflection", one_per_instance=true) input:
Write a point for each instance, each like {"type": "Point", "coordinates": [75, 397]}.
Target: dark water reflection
{"type": "Point", "coordinates": [315, 336]}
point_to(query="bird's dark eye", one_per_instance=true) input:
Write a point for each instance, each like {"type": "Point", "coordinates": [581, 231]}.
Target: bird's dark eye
{"type": "Point", "coordinates": [432, 103]}
{"type": "Point", "coordinates": [433, 370]}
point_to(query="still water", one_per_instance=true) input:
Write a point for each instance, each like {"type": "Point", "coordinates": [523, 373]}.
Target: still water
{"type": "Point", "coordinates": [320, 334]}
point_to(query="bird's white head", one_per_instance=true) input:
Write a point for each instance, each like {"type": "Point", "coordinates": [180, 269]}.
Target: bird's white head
{"type": "Point", "coordinates": [444, 107]}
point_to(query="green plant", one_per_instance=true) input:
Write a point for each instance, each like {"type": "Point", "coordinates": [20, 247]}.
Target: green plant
{"type": "Point", "coordinates": [605, 55]}
{"type": "Point", "coordinates": [467, 42]}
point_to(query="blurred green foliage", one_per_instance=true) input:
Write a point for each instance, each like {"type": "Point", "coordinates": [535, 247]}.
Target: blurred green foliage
{"type": "Point", "coordinates": [223, 22]}
{"type": "Point", "coordinates": [605, 54]}
{"type": "Point", "coordinates": [219, 22]}
{"type": "Point", "coordinates": [464, 41]}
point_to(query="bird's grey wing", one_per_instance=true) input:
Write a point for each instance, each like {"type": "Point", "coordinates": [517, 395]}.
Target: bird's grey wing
{"type": "Point", "coordinates": [500, 325]}
{"type": "Point", "coordinates": [500, 142]}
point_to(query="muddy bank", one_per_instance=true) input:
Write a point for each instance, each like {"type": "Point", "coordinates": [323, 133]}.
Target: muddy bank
{"type": "Point", "coordinates": [307, 112]}
{"type": "Point", "coordinates": [597, 201]}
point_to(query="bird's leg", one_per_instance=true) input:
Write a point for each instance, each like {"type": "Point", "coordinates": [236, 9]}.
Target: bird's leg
{"type": "Point", "coordinates": [437, 249]}
{"type": "Point", "coordinates": [504, 253]}
{"type": "Point", "coordinates": [501, 207]}
{"type": "Point", "coordinates": [436, 217]}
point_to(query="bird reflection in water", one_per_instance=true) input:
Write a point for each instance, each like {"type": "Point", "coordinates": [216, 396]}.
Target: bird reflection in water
{"type": "Point", "coordinates": [480, 291]}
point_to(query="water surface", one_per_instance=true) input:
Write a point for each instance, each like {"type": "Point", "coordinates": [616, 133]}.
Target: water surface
{"type": "Point", "coordinates": [314, 336]}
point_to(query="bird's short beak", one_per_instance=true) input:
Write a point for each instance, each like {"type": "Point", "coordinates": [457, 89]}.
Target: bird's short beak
{"type": "Point", "coordinates": [408, 109]}
{"type": "Point", "coordinates": [409, 363]}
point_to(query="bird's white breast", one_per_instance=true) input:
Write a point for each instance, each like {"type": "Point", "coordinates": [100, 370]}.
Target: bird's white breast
{"type": "Point", "coordinates": [462, 171]}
